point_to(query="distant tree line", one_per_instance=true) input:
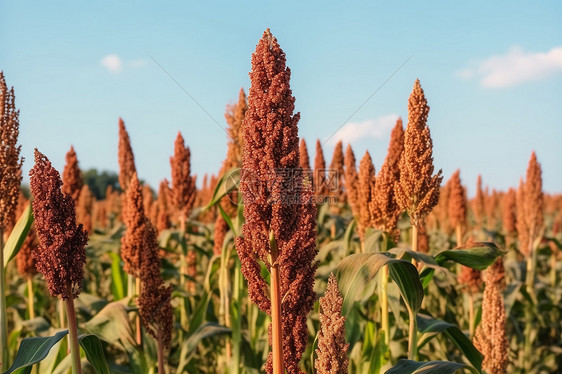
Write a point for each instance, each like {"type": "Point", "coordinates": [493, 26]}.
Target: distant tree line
{"type": "Point", "coordinates": [98, 181]}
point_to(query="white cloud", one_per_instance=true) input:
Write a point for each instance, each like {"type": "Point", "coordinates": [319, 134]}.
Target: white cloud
{"type": "Point", "coordinates": [112, 63]}
{"type": "Point", "coordinates": [515, 67]}
{"type": "Point", "coordinates": [371, 128]}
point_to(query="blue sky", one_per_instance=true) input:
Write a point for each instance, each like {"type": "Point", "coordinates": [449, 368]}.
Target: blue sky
{"type": "Point", "coordinates": [491, 73]}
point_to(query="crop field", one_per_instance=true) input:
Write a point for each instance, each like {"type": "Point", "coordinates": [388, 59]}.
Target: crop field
{"type": "Point", "coordinates": [279, 262]}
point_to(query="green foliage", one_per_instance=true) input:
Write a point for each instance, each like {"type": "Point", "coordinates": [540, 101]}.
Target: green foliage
{"type": "Point", "coordinates": [99, 181]}
{"type": "Point", "coordinates": [32, 351]}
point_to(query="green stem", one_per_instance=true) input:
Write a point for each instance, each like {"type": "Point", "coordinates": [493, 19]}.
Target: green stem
{"type": "Point", "coordinates": [412, 336]}
{"type": "Point", "coordinates": [73, 334]}
{"type": "Point", "coordinates": [237, 327]}
{"type": "Point", "coordinates": [138, 318]}
{"type": "Point", "coordinates": [471, 315]}
{"type": "Point", "coordinates": [384, 296]}
{"type": "Point", "coordinates": [3, 317]}
{"type": "Point", "coordinates": [30, 297]}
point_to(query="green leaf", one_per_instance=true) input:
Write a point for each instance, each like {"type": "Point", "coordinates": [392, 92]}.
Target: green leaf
{"type": "Point", "coordinates": [227, 219]}
{"type": "Point", "coordinates": [356, 274]}
{"type": "Point", "coordinates": [117, 284]}
{"type": "Point", "coordinates": [18, 235]}
{"type": "Point", "coordinates": [189, 345]}
{"type": "Point", "coordinates": [94, 352]}
{"type": "Point", "coordinates": [427, 324]}
{"type": "Point", "coordinates": [438, 367]}
{"type": "Point", "coordinates": [475, 255]}
{"type": "Point", "coordinates": [112, 325]}
{"type": "Point", "coordinates": [228, 182]}
{"type": "Point", "coordinates": [33, 350]}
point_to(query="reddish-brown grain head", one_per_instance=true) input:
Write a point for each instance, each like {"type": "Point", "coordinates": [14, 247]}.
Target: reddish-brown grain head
{"type": "Point", "coordinates": [183, 184]}
{"type": "Point", "coordinates": [366, 187]}
{"type": "Point", "coordinates": [275, 200]}
{"type": "Point", "coordinates": [417, 191]}
{"type": "Point", "coordinates": [457, 201]}
{"type": "Point", "coordinates": [10, 161]}
{"type": "Point", "coordinates": [61, 255]}
{"type": "Point", "coordinates": [351, 181]}
{"type": "Point", "coordinates": [72, 176]}
{"type": "Point", "coordinates": [126, 157]}
{"type": "Point", "coordinates": [332, 347]}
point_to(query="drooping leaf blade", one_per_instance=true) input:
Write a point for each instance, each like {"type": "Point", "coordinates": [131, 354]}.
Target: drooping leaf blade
{"type": "Point", "coordinates": [474, 255]}
{"type": "Point", "coordinates": [94, 352]}
{"type": "Point", "coordinates": [18, 235]}
{"type": "Point", "coordinates": [34, 350]}
{"type": "Point", "coordinates": [356, 278]}
{"type": "Point", "coordinates": [432, 367]}
{"type": "Point", "coordinates": [427, 324]}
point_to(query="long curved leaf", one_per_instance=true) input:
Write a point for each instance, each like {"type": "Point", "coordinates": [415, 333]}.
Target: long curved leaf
{"type": "Point", "coordinates": [18, 235]}
{"type": "Point", "coordinates": [427, 324]}
{"type": "Point", "coordinates": [475, 255]}
{"type": "Point", "coordinates": [207, 330]}
{"type": "Point", "coordinates": [431, 367]}
{"type": "Point", "coordinates": [228, 182]}
{"type": "Point", "coordinates": [94, 352]}
{"type": "Point", "coordinates": [34, 350]}
{"type": "Point", "coordinates": [356, 274]}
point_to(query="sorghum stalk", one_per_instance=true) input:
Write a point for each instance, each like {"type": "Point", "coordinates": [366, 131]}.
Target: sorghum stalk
{"type": "Point", "coordinates": [30, 298]}
{"type": "Point", "coordinates": [73, 335]}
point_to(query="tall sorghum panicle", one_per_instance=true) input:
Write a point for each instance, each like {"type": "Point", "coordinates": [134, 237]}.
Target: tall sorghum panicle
{"type": "Point", "coordinates": [509, 214]}
{"type": "Point", "coordinates": [126, 158]}
{"type": "Point", "coordinates": [332, 347]}
{"type": "Point", "coordinates": [351, 181]}
{"type": "Point", "coordinates": [439, 216]}
{"type": "Point", "coordinates": [383, 199]}
{"type": "Point", "coordinates": [235, 117]}
{"type": "Point", "coordinates": [26, 266]}
{"type": "Point", "coordinates": [304, 159]}
{"type": "Point", "coordinates": [155, 297]}
{"type": "Point", "coordinates": [521, 221]}
{"type": "Point", "coordinates": [61, 254]}
{"type": "Point", "coordinates": [182, 199]}
{"type": "Point", "coordinates": [490, 338]}
{"type": "Point", "coordinates": [24, 259]}
{"type": "Point", "coordinates": [10, 179]}
{"type": "Point", "coordinates": [162, 216]}
{"type": "Point", "coordinates": [335, 178]}
{"type": "Point", "coordinates": [457, 205]}
{"type": "Point", "coordinates": [84, 208]}
{"type": "Point", "coordinates": [72, 176]}
{"type": "Point", "coordinates": [478, 208]}
{"type": "Point", "coordinates": [320, 187]}
{"type": "Point", "coordinates": [417, 191]}
{"type": "Point", "coordinates": [147, 199]}
{"type": "Point", "coordinates": [280, 227]}
{"type": "Point", "coordinates": [534, 201]}
{"type": "Point", "coordinates": [133, 240]}
{"type": "Point", "coordinates": [366, 187]}
{"type": "Point", "coordinates": [183, 184]}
